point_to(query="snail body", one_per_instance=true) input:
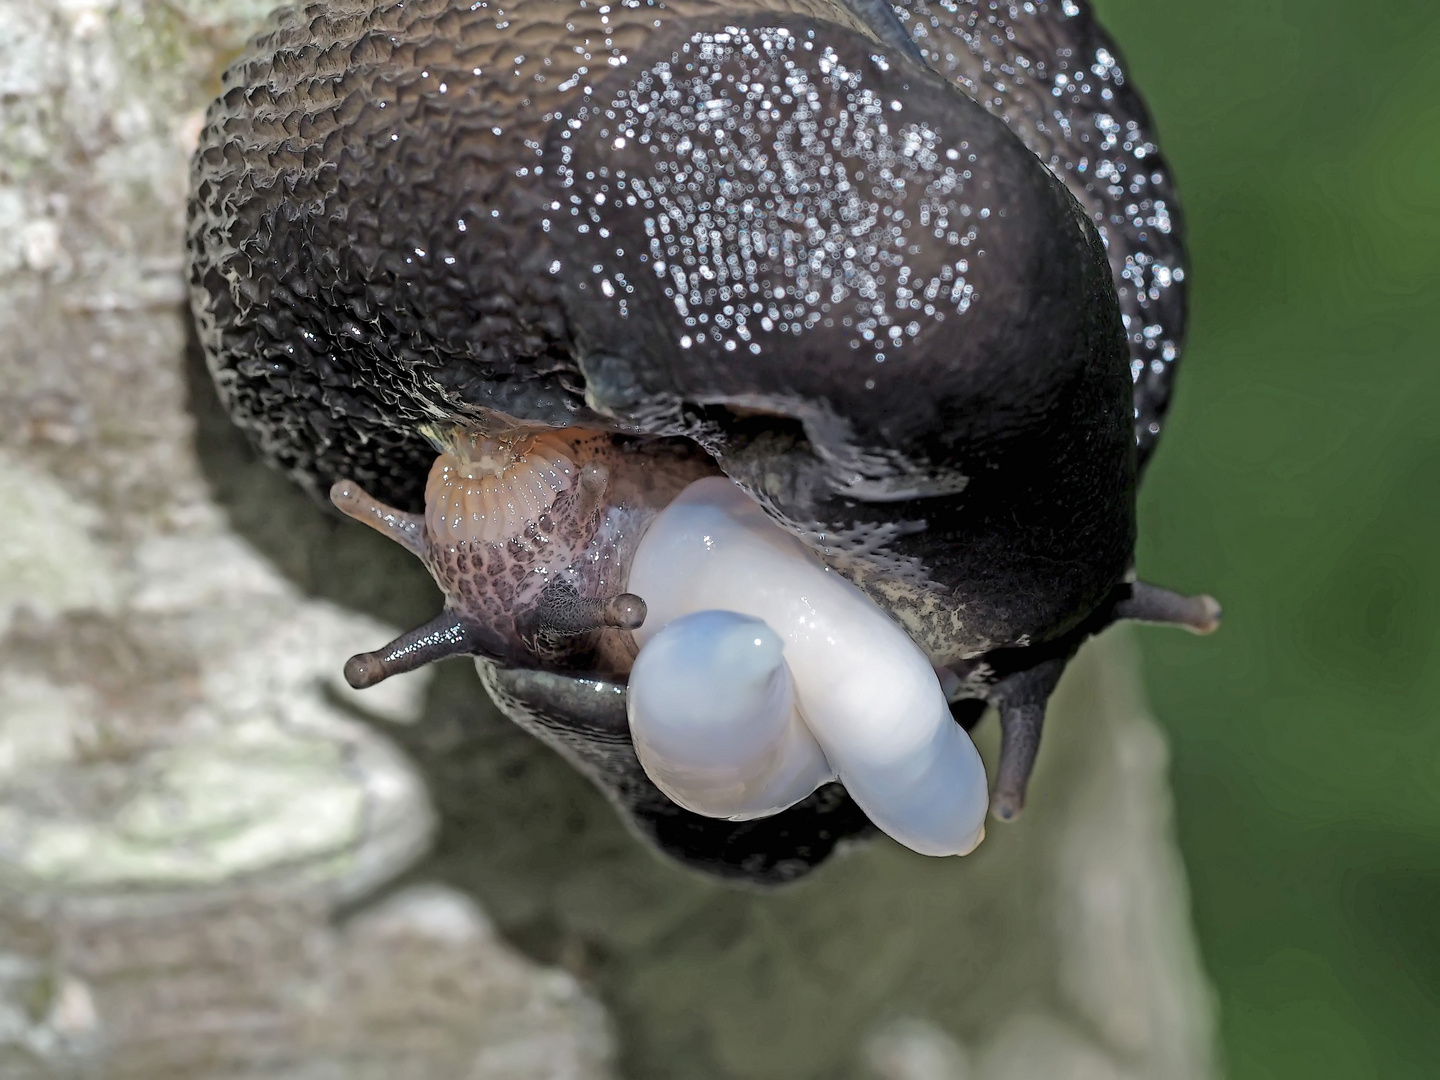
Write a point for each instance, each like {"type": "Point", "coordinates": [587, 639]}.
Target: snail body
{"type": "Point", "coordinates": [510, 280]}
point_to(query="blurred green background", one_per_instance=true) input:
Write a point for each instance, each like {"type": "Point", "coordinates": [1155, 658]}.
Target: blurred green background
{"type": "Point", "coordinates": [1299, 482]}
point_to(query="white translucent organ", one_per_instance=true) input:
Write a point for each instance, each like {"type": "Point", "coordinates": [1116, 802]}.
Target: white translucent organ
{"type": "Point", "coordinates": [718, 732]}
{"type": "Point", "coordinates": [865, 692]}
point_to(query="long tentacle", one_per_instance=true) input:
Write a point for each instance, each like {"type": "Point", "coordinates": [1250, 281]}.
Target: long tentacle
{"type": "Point", "coordinates": [1152, 604]}
{"type": "Point", "coordinates": [1021, 699]}
{"type": "Point", "coordinates": [443, 636]}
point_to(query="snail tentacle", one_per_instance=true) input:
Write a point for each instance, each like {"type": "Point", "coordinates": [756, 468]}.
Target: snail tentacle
{"type": "Point", "coordinates": [448, 634]}
{"type": "Point", "coordinates": [1152, 604]}
{"type": "Point", "coordinates": [562, 613]}
{"type": "Point", "coordinates": [1021, 699]}
{"type": "Point", "coordinates": [517, 532]}
{"type": "Point", "coordinates": [1018, 682]}
{"type": "Point", "coordinates": [407, 530]}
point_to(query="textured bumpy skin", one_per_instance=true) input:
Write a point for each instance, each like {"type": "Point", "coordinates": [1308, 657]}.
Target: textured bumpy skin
{"type": "Point", "coordinates": [382, 236]}
{"type": "Point", "coordinates": [1057, 80]}
{"type": "Point", "coordinates": [846, 243]}
{"type": "Point", "coordinates": [816, 237]}
{"type": "Point", "coordinates": [366, 218]}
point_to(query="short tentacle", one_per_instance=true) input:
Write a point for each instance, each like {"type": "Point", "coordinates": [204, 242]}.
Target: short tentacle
{"type": "Point", "coordinates": [594, 484]}
{"type": "Point", "coordinates": [407, 530]}
{"type": "Point", "coordinates": [1152, 604]}
{"type": "Point", "coordinates": [443, 636]}
{"type": "Point", "coordinates": [1021, 699]}
{"type": "Point", "coordinates": [562, 612]}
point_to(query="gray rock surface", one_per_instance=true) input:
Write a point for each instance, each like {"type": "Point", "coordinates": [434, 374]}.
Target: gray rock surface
{"type": "Point", "coordinates": [196, 813]}
{"type": "Point", "coordinates": [188, 789]}
{"type": "Point", "coordinates": [1124, 997]}
{"type": "Point", "coordinates": [259, 985]}
{"type": "Point", "coordinates": [169, 713]}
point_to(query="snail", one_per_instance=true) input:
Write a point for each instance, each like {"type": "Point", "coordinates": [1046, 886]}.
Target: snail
{"type": "Point", "coordinates": [765, 387]}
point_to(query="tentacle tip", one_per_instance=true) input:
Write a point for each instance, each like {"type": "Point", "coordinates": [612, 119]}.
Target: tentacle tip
{"type": "Point", "coordinates": [364, 670]}
{"type": "Point", "coordinates": [625, 612]}
{"type": "Point", "coordinates": [594, 482]}
{"type": "Point", "coordinates": [1211, 614]}
{"type": "Point", "coordinates": [1006, 805]}
{"type": "Point", "coordinates": [344, 493]}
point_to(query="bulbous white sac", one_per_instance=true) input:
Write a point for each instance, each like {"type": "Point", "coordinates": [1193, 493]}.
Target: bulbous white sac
{"type": "Point", "coordinates": [864, 689]}
{"type": "Point", "coordinates": [712, 715]}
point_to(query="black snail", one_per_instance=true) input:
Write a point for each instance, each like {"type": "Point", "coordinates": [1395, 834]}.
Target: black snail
{"type": "Point", "coordinates": [521, 283]}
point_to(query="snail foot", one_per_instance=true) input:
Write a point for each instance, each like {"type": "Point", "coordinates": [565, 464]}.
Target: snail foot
{"type": "Point", "coordinates": [1152, 604]}
{"type": "Point", "coordinates": [443, 636]}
